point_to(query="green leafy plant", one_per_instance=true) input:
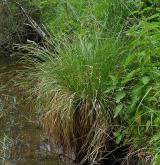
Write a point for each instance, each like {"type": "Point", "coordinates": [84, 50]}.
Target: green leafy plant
{"type": "Point", "coordinates": [141, 83]}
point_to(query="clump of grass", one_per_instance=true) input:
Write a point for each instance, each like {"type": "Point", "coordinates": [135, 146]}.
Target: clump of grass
{"type": "Point", "coordinates": [73, 88]}
{"type": "Point", "coordinates": [100, 88]}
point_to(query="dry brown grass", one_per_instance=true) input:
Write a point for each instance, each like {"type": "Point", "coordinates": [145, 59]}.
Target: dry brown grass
{"type": "Point", "coordinates": [77, 126]}
{"type": "Point", "coordinates": [58, 120]}
{"type": "Point", "coordinates": [139, 157]}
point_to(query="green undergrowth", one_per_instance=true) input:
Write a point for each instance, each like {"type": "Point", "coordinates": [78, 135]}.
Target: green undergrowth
{"type": "Point", "coordinates": [101, 88]}
{"type": "Point", "coordinates": [66, 19]}
{"type": "Point", "coordinates": [142, 99]}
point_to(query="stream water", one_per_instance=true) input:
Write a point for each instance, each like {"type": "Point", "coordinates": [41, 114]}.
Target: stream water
{"type": "Point", "coordinates": [22, 141]}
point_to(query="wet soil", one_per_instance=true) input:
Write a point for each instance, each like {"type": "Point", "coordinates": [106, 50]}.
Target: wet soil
{"type": "Point", "coordinates": [22, 140]}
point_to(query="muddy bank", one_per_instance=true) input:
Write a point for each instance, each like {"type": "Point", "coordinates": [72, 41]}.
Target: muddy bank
{"type": "Point", "coordinates": [22, 140]}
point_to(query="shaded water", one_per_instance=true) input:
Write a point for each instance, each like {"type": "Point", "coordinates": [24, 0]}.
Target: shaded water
{"type": "Point", "coordinates": [22, 141]}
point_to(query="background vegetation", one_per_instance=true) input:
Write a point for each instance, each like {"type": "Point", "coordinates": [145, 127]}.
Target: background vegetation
{"type": "Point", "coordinates": [99, 91]}
{"type": "Point", "coordinates": [17, 24]}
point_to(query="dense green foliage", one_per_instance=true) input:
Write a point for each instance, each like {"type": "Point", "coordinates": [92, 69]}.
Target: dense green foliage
{"type": "Point", "coordinates": [142, 79]}
{"type": "Point", "coordinates": [107, 64]}
{"type": "Point", "coordinates": [82, 18]}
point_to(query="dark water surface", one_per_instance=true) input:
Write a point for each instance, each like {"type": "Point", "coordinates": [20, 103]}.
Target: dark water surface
{"type": "Point", "coordinates": [22, 141]}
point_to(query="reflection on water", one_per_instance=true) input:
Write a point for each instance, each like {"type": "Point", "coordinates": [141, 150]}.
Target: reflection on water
{"type": "Point", "coordinates": [22, 141]}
